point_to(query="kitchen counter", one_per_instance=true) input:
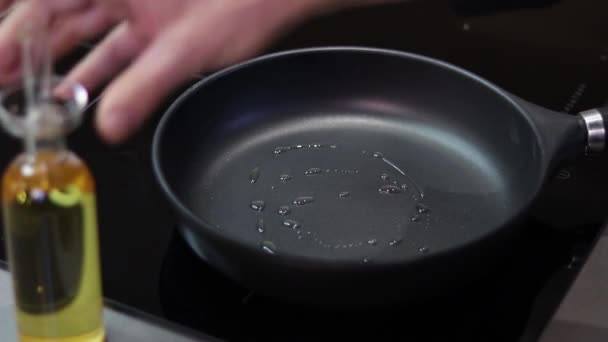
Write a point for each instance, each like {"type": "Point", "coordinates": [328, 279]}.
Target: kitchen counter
{"type": "Point", "coordinates": [583, 313]}
{"type": "Point", "coordinates": [122, 324]}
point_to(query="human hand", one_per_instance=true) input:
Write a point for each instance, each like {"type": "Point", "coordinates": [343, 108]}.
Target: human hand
{"type": "Point", "coordinates": [151, 47]}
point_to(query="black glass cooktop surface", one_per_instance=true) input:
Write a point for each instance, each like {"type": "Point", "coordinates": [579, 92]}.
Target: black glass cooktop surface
{"type": "Point", "coordinates": [556, 57]}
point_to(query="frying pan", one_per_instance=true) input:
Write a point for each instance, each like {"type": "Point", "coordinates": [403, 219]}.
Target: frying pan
{"type": "Point", "coordinates": [351, 175]}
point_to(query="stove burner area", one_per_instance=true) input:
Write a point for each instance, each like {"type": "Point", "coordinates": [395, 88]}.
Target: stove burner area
{"type": "Point", "coordinates": [496, 308]}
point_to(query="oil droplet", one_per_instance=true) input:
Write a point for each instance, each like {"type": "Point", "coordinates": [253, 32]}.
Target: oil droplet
{"type": "Point", "coordinates": [281, 149]}
{"type": "Point", "coordinates": [273, 187]}
{"type": "Point", "coordinates": [284, 210]}
{"type": "Point", "coordinates": [344, 194]}
{"type": "Point", "coordinates": [423, 209]}
{"type": "Point", "coordinates": [365, 260]}
{"type": "Point", "coordinates": [285, 178]}
{"type": "Point", "coordinates": [424, 250]}
{"type": "Point", "coordinates": [291, 224]}
{"type": "Point", "coordinates": [258, 205]}
{"type": "Point", "coordinates": [390, 189]}
{"type": "Point", "coordinates": [404, 187]}
{"type": "Point", "coordinates": [269, 247]}
{"type": "Point", "coordinates": [372, 242]}
{"type": "Point", "coordinates": [260, 226]}
{"type": "Point", "coordinates": [313, 171]}
{"type": "Point", "coordinates": [415, 218]}
{"type": "Point", "coordinates": [401, 171]}
{"type": "Point", "coordinates": [385, 177]}
{"type": "Point", "coordinates": [254, 175]}
{"type": "Point", "coordinates": [377, 155]}
{"type": "Point", "coordinates": [303, 200]}
{"type": "Point", "coordinates": [395, 242]}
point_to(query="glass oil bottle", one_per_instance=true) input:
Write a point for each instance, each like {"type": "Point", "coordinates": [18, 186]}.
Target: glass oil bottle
{"type": "Point", "coordinates": [49, 210]}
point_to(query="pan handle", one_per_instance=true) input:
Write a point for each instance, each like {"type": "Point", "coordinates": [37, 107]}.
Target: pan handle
{"type": "Point", "coordinates": [596, 121]}
{"type": "Point", "coordinates": [567, 137]}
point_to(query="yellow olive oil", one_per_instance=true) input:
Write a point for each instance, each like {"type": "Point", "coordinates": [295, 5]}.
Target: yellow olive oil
{"type": "Point", "coordinates": [50, 222]}
{"type": "Point", "coordinates": [49, 209]}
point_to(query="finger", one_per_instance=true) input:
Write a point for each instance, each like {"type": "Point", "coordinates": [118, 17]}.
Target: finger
{"type": "Point", "coordinates": [87, 25]}
{"type": "Point", "coordinates": [10, 31]}
{"type": "Point", "coordinates": [63, 6]}
{"type": "Point", "coordinates": [5, 5]}
{"type": "Point", "coordinates": [25, 14]}
{"type": "Point", "coordinates": [112, 55]}
{"type": "Point", "coordinates": [165, 63]}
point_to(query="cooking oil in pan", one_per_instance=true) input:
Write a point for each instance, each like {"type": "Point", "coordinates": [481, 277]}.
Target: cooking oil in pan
{"type": "Point", "coordinates": [313, 171]}
{"type": "Point", "coordinates": [254, 175]}
{"type": "Point", "coordinates": [390, 189]}
{"type": "Point", "coordinates": [292, 224]}
{"type": "Point", "coordinates": [269, 247]}
{"type": "Point", "coordinates": [303, 200]}
{"type": "Point", "coordinates": [258, 205]}
{"type": "Point", "coordinates": [284, 210]}
{"type": "Point", "coordinates": [344, 194]}
{"type": "Point", "coordinates": [260, 226]}
{"type": "Point", "coordinates": [390, 186]}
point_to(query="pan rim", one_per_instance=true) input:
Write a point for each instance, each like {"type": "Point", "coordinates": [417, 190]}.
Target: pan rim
{"type": "Point", "coordinates": [285, 257]}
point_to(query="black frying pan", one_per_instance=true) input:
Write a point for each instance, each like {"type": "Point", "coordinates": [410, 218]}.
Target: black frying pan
{"type": "Point", "coordinates": [405, 177]}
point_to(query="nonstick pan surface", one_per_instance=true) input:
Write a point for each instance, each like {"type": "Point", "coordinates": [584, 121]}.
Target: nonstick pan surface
{"type": "Point", "coordinates": [397, 158]}
{"type": "Point", "coordinates": [357, 175]}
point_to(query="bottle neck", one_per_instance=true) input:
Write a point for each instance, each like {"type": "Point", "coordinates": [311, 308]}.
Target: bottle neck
{"type": "Point", "coordinates": [34, 144]}
{"type": "Point", "coordinates": [44, 130]}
